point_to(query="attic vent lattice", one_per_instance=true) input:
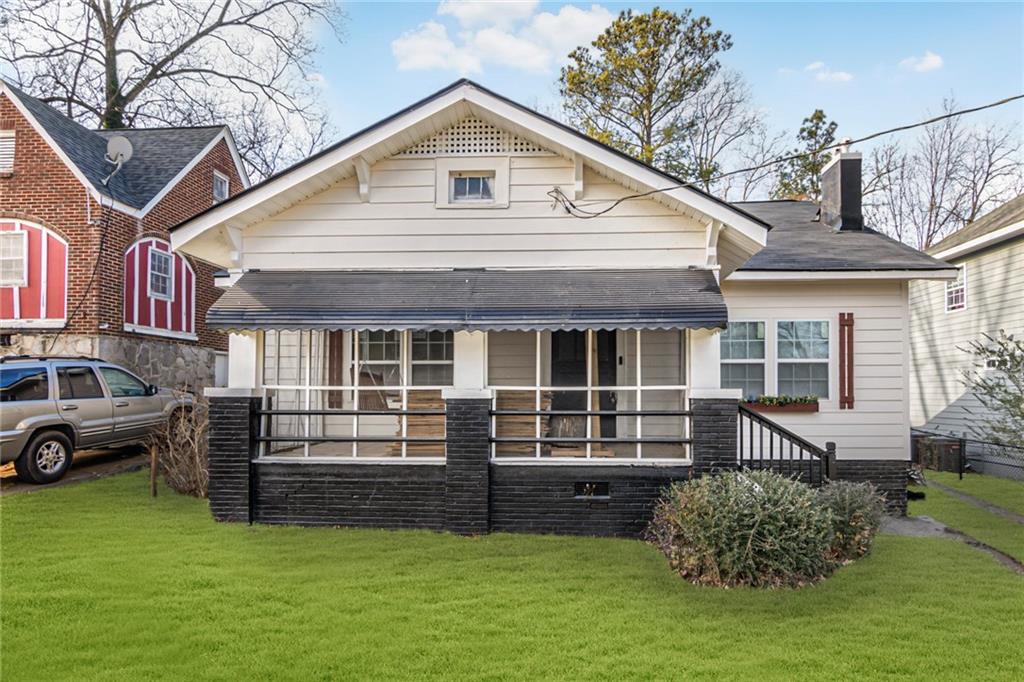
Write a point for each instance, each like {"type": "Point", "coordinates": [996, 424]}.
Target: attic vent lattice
{"type": "Point", "coordinates": [6, 151]}
{"type": "Point", "coordinates": [473, 136]}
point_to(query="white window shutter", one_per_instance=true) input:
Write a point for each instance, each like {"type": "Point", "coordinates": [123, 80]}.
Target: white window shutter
{"type": "Point", "coordinates": [6, 151]}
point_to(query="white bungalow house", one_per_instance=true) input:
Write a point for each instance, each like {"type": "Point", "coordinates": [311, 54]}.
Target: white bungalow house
{"type": "Point", "coordinates": [422, 336]}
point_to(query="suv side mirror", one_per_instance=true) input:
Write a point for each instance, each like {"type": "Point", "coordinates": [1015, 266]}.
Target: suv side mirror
{"type": "Point", "coordinates": [152, 389]}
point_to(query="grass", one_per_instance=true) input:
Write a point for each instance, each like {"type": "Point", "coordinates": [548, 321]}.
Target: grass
{"type": "Point", "coordinates": [992, 529]}
{"type": "Point", "coordinates": [100, 582]}
{"type": "Point", "coordinates": [1002, 492]}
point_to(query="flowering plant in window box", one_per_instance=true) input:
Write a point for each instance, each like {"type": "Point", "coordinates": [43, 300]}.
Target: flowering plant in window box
{"type": "Point", "coordinates": [784, 403]}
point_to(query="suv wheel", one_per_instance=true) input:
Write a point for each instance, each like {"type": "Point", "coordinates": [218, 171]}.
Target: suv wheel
{"type": "Point", "coordinates": [46, 459]}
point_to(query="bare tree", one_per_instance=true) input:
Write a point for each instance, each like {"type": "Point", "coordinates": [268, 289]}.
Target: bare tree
{"type": "Point", "coordinates": [118, 63]}
{"type": "Point", "coordinates": [756, 150]}
{"type": "Point", "coordinates": [950, 176]}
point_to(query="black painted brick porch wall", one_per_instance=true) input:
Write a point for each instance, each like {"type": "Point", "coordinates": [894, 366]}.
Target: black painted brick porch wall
{"type": "Point", "coordinates": [232, 444]}
{"type": "Point", "coordinates": [392, 495]}
{"type": "Point", "coordinates": [714, 426]}
{"type": "Point", "coordinates": [467, 466]}
{"type": "Point", "coordinates": [541, 498]}
{"type": "Point", "coordinates": [888, 475]}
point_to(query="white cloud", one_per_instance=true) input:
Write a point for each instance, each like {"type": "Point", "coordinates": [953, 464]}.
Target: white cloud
{"type": "Point", "coordinates": [471, 13]}
{"type": "Point", "coordinates": [429, 47]}
{"type": "Point", "coordinates": [929, 61]}
{"type": "Point", "coordinates": [826, 75]}
{"type": "Point", "coordinates": [509, 34]}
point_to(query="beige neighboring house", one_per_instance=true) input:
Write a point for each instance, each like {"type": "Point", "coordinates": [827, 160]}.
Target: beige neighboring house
{"type": "Point", "coordinates": [987, 296]}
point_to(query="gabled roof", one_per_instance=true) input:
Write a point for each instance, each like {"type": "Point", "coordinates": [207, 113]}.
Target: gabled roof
{"type": "Point", "coordinates": [160, 155]}
{"type": "Point", "coordinates": [435, 113]}
{"type": "Point", "coordinates": [996, 226]}
{"type": "Point", "coordinates": [800, 242]}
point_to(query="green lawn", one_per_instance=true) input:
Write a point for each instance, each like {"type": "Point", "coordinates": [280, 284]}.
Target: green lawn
{"type": "Point", "coordinates": [992, 529]}
{"type": "Point", "coordinates": [1002, 492]}
{"type": "Point", "coordinates": [100, 582]}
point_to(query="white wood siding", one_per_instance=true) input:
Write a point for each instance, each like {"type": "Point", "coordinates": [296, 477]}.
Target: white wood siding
{"type": "Point", "coordinates": [400, 226]}
{"type": "Point", "coordinates": [995, 300]}
{"type": "Point", "coordinates": [878, 426]}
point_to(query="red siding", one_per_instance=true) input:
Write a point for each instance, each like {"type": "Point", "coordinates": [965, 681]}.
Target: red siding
{"type": "Point", "coordinates": [46, 280]}
{"type": "Point", "coordinates": [174, 317]}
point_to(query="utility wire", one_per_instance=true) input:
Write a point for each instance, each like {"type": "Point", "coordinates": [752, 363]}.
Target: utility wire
{"type": "Point", "coordinates": [575, 209]}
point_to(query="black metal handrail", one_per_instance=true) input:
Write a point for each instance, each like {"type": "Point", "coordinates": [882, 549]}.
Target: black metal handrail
{"type": "Point", "coordinates": [795, 456]}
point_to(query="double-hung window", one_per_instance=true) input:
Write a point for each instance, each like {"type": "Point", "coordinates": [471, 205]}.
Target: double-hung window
{"type": "Point", "coordinates": [13, 259]}
{"type": "Point", "coordinates": [956, 291]}
{"type": "Point", "coordinates": [161, 284]}
{"type": "Point", "coordinates": [803, 358]}
{"type": "Point", "coordinates": [433, 358]}
{"type": "Point", "coordinates": [742, 358]}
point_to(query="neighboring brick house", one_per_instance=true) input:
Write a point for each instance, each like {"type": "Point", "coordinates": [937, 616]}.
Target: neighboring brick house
{"type": "Point", "coordinates": [86, 266]}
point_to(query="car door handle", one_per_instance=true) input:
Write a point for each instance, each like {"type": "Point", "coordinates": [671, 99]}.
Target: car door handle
{"type": "Point", "coordinates": [68, 408]}
{"type": "Point", "coordinates": [122, 404]}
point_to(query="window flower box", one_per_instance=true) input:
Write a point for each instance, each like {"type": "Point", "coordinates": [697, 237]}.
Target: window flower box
{"type": "Point", "coordinates": [784, 403]}
{"type": "Point", "coordinates": [789, 407]}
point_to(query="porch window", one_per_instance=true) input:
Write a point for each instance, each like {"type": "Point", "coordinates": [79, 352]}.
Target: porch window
{"type": "Point", "coordinates": [370, 394]}
{"type": "Point", "coordinates": [13, 258]}
{"type": "Point", "coordinates": [160, 274]}
{"type": "Point", "coordinates": [803, 358]}
{"type": "Point", "coordinates": [956, 291]}
{"type": "Point", "coordinates": [742, 358]}
{"type": "Point", "coordinates": [589, 394]}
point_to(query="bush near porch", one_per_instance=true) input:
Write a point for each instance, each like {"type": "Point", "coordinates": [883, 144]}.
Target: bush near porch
{"type": "Point", "coordinates": [101, 582]}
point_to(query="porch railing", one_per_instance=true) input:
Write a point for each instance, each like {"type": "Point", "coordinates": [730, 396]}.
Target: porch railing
{"type": "Point", "coordinates": [765, 444]}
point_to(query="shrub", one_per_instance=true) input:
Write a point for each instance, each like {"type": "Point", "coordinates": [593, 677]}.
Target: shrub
{"type": "Point", "coordinates": [857, 510]}
{"type": "Point", "coordinates": [753, 528]}
{"type": "Point", "coordinates": [179, 449]}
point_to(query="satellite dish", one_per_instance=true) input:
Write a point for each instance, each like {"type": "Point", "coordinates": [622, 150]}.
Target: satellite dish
{"type": "Point", "coordinates": [119, 149]}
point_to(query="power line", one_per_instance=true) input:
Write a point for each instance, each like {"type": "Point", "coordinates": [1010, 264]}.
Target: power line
{"type": "Point", "coordinates": [575, 209]}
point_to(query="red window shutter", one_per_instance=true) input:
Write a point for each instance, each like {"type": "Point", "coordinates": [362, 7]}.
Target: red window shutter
{"type": "Point", "coordinates": [845, 361]}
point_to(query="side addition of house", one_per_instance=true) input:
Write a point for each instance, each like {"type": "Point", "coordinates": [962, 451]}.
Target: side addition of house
{"type": "Point", "coordinates": [422, 336]}
{"type": "Point", "coordinates": [86, 266]}
{"type": "Point", "coordinates": [985, 298]}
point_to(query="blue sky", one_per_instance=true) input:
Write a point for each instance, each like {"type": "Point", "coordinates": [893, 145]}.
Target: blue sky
{"type": "Point", "coordinates": [869, 66]}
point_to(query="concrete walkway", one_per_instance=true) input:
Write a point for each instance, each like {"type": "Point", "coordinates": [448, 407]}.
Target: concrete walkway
{"type": "Point", "coordinates": [981, 504]}
{"type": "Point", "coordinates": [927, 527]}
{"type": "Point", "coordinates": [87, 465]}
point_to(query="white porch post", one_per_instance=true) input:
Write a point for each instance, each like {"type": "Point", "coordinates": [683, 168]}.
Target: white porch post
{"type": "Point", "coordinates": [244, 360]}
{"type": "Point", "coordinates": [470, 371]}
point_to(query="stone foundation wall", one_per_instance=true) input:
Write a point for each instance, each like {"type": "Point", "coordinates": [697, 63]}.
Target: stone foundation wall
{"type": "Point", "coordinates": [158, 361]}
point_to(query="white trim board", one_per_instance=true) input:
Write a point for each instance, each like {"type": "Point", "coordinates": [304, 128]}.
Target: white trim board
{"type": "Point", "coordinates": [815, 275]}
{"type": "Point", "coordinates": [153, 331]}
{"type": "Point", "coordinates": [981, 242]}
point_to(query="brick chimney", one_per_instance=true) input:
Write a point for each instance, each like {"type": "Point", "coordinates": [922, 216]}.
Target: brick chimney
{"type": "Point", "coordinates": [841, 191]}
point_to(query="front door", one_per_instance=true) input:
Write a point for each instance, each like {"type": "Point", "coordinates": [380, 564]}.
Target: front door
{"type": "Point", "coordinates": [569, 368]}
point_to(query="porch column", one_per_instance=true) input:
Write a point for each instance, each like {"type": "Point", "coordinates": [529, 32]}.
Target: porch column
{"type": "Point", "coordinates": [715, 410]}
{"type": "Point", "coordinates": [233, 429]}
{"type": "Point", "coordinates": [467, 431]}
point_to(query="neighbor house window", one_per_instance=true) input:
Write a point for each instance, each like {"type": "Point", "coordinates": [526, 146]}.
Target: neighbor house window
{"type": "Point", "coordinates": [6, 151]}
{"type": "Point", "coordinates": [221, 187]}
{"type": "Point", "coordinates": [468, 186]}
{"type": "Point", "coordinates": [433, 358]}
{"type": "Point", "coordinates": [956, 291]}
{"type": "Point", "coordinates": [13, 259]}
{"type": "Point", "coordinates": [742, 351]}
{"type": "Point", "coordinates": [160, 277]}
{"type": "Point", "coordinates": [803, 358]}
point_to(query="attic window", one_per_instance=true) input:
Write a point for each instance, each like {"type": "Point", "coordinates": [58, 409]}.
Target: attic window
{"type": "Point", "coordinates": [221, 187]}
{"type": "Point", "coordinates": [465, 186]}
{"type": "Point", "coordinates": [6, 151]}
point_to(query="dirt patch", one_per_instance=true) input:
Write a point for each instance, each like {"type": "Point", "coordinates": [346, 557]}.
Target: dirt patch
{"type": "Point", "coordinates": [86, 466]}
